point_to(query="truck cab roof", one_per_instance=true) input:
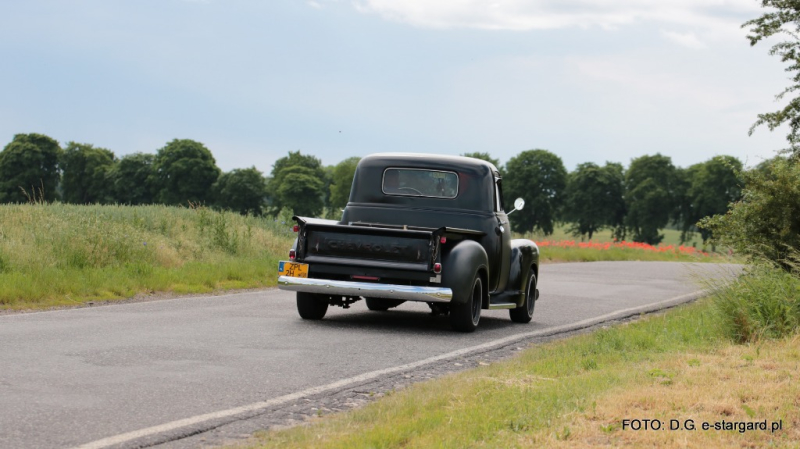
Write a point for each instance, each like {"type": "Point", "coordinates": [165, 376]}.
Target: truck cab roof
{"type": "Point", "coordinates": [472, 190]}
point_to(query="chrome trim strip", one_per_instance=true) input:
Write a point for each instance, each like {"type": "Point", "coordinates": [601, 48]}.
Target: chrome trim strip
{"type": "Point", "coordinates": [368, 289]}
{"type": "Point", "coordinates": [502, 305]}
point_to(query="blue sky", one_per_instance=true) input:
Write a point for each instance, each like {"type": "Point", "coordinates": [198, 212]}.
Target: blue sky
{"type": "Point", "coordinates": [252, 80]}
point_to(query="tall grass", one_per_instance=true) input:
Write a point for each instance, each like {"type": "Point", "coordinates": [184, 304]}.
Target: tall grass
{"type": "Point", "coordinates": [763, 303]}
{"type": "Point", "coordinates": [54, 254]}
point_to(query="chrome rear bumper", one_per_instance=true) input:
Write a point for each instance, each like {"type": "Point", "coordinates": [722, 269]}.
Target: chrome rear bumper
{"type": "Point", "coordinates": [366, 289]}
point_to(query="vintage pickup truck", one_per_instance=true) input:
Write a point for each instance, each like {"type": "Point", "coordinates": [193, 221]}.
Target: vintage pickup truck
{"type": "Point", "coordinates": [417, 227]}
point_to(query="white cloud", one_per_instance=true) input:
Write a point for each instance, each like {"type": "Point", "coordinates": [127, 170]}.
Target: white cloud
{"type": "Point", "coordinates": [707, 15]}
{"type": "Point", "coordinates": [654, 80]}
{"type": "Point", "coordinates": [686, 39]}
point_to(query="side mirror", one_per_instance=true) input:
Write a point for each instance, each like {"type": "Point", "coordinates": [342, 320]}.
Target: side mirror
{"type": "Point", "coordinates": [519, 203]}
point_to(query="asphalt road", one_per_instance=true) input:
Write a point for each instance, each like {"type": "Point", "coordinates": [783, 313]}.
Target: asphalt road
{"type": "Point", "coordinates": [73, 377]}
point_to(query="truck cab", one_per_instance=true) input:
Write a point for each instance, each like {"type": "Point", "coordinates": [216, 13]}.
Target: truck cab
{"type": "Point", "coordinates": [417, 227]}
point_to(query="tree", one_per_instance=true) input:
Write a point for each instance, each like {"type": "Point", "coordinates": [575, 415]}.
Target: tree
{"type": "Point", "coordinates": [342, 177]}
{"type": "Point", "coordinates": [296, 158]}
{"type": "Point", "coordinates": [711, 187]}
{"type": "Point", "coordinates": [683, 202]}
{"type": "Point", "coordinates": [29, 162]}
{"type": "Point", "coordinates": [185, 170]}
{"type": "Point", "coordinates": [282, 196]}
{"type": "Point", "coordinates": [132, 178]}
{"type": "Point", "coordinates": [785, 19]}
{"type": "Point", "coordinates": [243, 190]}
{"type": "Point", "coordinates": [617, 223]}
{"type": "Point", "coordinates": [766, 221]}
{"type": "Point", "coordinates": [539, 177]}
{"type": "Point", "coordinates": [594, 198]}
{"type": "Point", "coordinates": [650, 197]}
{"type": "Point", "coordinates": [302, 191]}
{"type": "Point", "coordinates": [327, 181]}
{"type": "Point", "coordinates": [85, 174]}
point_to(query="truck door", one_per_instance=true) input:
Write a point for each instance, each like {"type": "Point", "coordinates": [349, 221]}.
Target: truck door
{"type": "Point", "coordinates": [503, 235]}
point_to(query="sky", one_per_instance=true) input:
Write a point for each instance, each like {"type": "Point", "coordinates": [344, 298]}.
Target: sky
{"type": "Point", "coordinates": [589, 80]}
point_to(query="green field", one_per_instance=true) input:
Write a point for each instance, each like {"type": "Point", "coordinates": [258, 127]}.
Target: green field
{"type": "Point", "coordinates": [553, 248]}
{"type": "Point", "coordinates": [560, 232]}
{"type": "Point", "coordinates": [569, 254]}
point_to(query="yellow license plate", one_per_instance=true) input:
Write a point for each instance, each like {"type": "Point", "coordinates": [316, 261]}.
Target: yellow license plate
{"type": "Point", "coordinates": [293, 269]}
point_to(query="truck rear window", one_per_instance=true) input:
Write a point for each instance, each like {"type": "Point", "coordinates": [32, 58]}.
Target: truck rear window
{"type": "Point", "coordinates": [420, 182]}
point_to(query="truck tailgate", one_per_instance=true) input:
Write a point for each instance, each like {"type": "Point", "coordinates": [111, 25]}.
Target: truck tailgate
{"type": "Point", "coordinates": [367, 246]}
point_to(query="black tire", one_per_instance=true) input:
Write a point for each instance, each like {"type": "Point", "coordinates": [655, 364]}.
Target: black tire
{"type": "Point", "coordinates": [311, 306]}
{"type": "Point", "coordinates": [465, 316]}
{"type": "Point", "coordinates": [524, 313]}
{"type": "Point", "coordinates": [382, 305]}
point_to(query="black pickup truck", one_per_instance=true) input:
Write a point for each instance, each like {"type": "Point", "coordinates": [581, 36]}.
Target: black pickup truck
{"type": "Point", "coordinates": [417, 227]}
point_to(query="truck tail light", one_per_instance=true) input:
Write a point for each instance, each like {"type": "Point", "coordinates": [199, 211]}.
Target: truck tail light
{"type": "Point", "coordinates": [437, 268]}
{"type": "Point", "coordinates": [296, 228]}
{"type": "Point", "coordinates": [443, 240]}
{"type": "Point", "coordinates": [292, 254]}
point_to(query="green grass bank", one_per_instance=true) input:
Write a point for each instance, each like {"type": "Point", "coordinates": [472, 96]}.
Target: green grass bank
{"type": "Point", "coordinates": [56, 254]}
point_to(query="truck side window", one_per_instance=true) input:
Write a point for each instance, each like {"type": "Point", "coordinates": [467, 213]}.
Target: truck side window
{"type": "Point", "coordinates": [498, 196]}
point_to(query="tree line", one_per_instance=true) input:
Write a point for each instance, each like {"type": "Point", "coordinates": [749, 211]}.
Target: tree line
{"type": "Point", "coordinates": [635, 203]}
{"type": "Point", "coordinates": [34, 167]}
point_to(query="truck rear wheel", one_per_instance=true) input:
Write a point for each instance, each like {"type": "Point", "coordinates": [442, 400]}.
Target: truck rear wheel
{"type": "Point", "coordinates": [382, 305]}
{"type": "Point", "coordinates": [465, 316]}
{"type": "Point", "coordinates": [524, 313]}
{"type": "Point", "coordinates": [311, 306]}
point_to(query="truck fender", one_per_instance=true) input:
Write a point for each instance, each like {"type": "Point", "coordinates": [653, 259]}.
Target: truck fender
{"type": "Point", "coordinates": [524, 257]}
{"type": "Point", "coordinates": [459, 265]}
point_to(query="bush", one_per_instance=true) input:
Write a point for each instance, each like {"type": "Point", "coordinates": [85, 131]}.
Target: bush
{"type": "Point", "coordinates": [765, 226]}
{"type": "Point", "coordinates": [765, 223]}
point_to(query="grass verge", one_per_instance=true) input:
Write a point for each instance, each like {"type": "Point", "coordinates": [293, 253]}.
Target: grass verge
{"type": "Point", "coordinates": [578, 392]}
{"type": "Point", "coordinates": [56, 254]}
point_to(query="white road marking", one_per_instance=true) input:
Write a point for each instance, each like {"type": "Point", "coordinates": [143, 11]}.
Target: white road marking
{"type": "Point", "coordinates": [257, 406]}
